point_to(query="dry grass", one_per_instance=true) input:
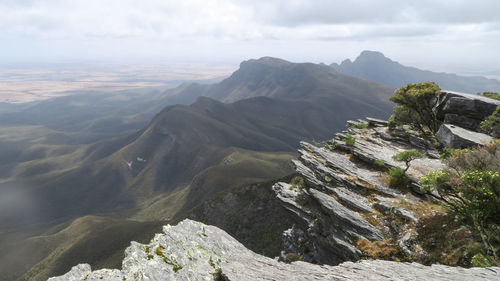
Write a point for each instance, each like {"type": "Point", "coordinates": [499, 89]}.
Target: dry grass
{"type": "Point", "coordinates": [379, 250]}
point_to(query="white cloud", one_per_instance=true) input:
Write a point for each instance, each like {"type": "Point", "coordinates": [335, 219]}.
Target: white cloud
{"type": "Point", "coordinates": [234, 30]}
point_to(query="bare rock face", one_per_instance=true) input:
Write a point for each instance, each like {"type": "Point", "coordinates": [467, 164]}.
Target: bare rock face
{"type": "Point", "coordinates": [455, 137]}
{"type": "Point", "coordinates": [194, 251]}
{"type": "Point", "coordinates": [346, 198]}
{"type": "Point", "coordinates": [465, 110]}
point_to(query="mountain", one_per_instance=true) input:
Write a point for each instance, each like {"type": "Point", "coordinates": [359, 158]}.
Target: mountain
{"type": "Point", "coordinates": [376, 67]}
{"type": "Point", "coordinates": [240, 131]}
{"type": "Point", "coordinates": [182, 141]}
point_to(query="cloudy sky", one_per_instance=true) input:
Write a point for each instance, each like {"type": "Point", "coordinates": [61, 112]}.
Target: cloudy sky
{"type": "Point", "coordinates": [442, 35]}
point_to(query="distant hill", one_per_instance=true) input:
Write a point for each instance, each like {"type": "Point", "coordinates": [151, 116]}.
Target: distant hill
{"type": "Point", "coordinates": [242, 130]}
{"type": "Point", "coordinates": [376, 67]}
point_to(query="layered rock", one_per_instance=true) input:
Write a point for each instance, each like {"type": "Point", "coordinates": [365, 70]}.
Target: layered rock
{"type": "Point", "coordinates": [346, 198]}
{"type": "Point", "coordinates": [194, 251]}
{"type": "Point", "coordinates": [457, 137]}
{"type": "Point", "coordinates": [465, 110]}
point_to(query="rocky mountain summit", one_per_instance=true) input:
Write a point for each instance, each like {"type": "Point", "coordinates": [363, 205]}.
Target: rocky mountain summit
{"type": "Point", "coordinates": [346, 202]}
{"type": "Point", "coordinates": [345, 209]}
{"type": "Point", "coordinates": [344, 213]}
{"type": "Point", "coordinates": [194, 251]}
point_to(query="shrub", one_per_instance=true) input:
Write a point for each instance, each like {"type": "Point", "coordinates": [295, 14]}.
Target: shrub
{"type": "Point", "coordinates": [379, 164]}
{"type": "Point", "coordinates": [491, 95]}
{"type": "Point", "coordinates": [480, 260]}
{"type": "Point", "coordinates": [291, 257]}
{"type": "Point", "coordinates": [491, 125]}
{"type": "Point", "coordinates": [398, 178]}
{"type": "Point", "coordinates": [392, 123]}
{"type": "Point", "coordinates": [452, 152]}
{"type": "Point", "coordinates": [349, 140]}
{"type": "Point", "coordinates": [416, 107]}
{"type": "Point", "coordinates": [470, 189]}
{"type": "Point", "coordinates": [361, 125]}
{"type": "Point", "coordinates": [407, 157]}
{"type": "Point", "coordinates": [297, 182]}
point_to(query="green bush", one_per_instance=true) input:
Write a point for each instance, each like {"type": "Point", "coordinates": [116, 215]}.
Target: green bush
{"type": "Point", "coordinates": [480, 260]}
{"type": "Point", "coordinates": [379, 164]}
{"type": "Point", "coordinates": [398, 178]}
{"type": "Point", "coordinates": [392, 123]}
{"type": "Point", "coordinates": [491, 95]}
{"type": "Point", "coordinates": [297, 182]}
{"type": "Point", "coordinates": [491, 125]}
{"type": "Point", "coordinates": [349, 140]}
{"type": "Point", "coordinates": [407, 157]}
{"type": "Point", "coordinates": [470, 189]}
{"type": "Point", "coordinates": [452, 152]}
{"type": "Point", "coordinates": [416, 107]}
{"type": "Point", "coordinates": [362, 125]}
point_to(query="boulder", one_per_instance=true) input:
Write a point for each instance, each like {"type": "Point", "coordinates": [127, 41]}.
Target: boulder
{"type": "Point", "coordinates": [456, 137]}
{"type": "Point", "coordinates": [464, 110]}
{"type": "Point", "coordinates": [462, 121]}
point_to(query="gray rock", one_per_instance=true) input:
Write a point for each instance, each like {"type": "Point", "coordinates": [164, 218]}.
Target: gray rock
{"type": "Point", "coordinates": [376, 122]}
{"type": "Point", "coordinates": [455, 137]}
{"type": "Point", "coordinates": [462, 121]}
{"type": "Point", "coordinates": [350, 220]}
{"type": "Point", "coordinates": [420, 142]}
{"type": "Point", "coordinates": [469, 105]}
{"type": "Point", "coordinates": [464, 110]}
{"type": "Point", "coordinates": [202, 252]}
{"type": "Point", "coordinates": [352, 199]}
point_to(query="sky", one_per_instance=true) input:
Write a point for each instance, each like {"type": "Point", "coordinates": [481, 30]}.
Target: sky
{"type": "Point", "coordinates": [440, 35]}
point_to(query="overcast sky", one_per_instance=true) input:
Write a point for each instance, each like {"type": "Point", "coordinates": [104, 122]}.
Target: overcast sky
{"type": "Point", "coordinates": [442, 35]}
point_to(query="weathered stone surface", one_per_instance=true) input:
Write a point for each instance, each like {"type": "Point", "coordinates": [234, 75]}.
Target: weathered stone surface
{"type": "Point", "coordinates": [462, 121]}
{"type": "Point", "coordinates": [194, 251]}
{"type": "Point", "coordinates": [419, 142]}
{"type": "Point", "coordinates": [376, 122]}
{"type": "Point", "coordinates": [464, 110]}
{"type": "Point", "coordinates": [352, 199]}
{"type": "Point", "coordinates": [343, 185]}
{"type": "Point", "coordinates": [455, 137]}
{"type": "Point", "coordinates": [351, 220]}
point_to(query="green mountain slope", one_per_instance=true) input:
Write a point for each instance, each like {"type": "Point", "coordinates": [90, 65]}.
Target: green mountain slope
{"type": "Point", "coordinates": [242, 130]}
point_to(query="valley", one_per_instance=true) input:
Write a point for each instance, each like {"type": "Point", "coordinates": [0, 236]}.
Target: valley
{"type": "Point", "coordinates": [91, 171]}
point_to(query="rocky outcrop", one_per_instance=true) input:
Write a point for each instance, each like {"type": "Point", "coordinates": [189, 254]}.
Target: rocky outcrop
{"type": "Point", "coordinates": [194, 251]}
{"type": "Point", "coordinates": [465, 110]}
{"type": "Point", "coordinates": [456, 137]}
{"type": "Point", "coordinates": [346, 198]}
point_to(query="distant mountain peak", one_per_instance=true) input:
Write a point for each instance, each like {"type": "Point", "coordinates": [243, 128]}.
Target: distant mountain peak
{"type": "Point", "coordinates": [268, 61]}
{"type": "Point", "coordinates": [375, 66]}
{"type": "Point", "coordinates": [372, 56]}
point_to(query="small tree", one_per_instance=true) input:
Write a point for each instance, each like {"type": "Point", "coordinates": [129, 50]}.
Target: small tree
{"type": "Point", "coordinates": [407, 157]}
{"type": "Point", "coordinates": [416, 106]}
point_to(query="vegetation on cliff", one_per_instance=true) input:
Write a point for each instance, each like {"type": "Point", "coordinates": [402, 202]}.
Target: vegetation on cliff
{"type": "Point", "coordinates": [470, 190]}
{"type": "Point", "coordinates": [416, 107]}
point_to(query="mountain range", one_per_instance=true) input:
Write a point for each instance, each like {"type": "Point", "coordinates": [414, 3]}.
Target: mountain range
{"type": "Point", "coordinates": [208, 139]}
{"type": "Point", "coordinates": [376, 67]}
